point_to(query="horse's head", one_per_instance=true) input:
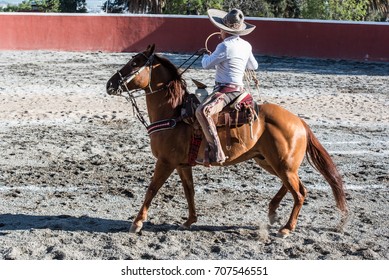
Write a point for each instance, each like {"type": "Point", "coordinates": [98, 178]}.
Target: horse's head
{"type": "Point", "coordinates": [134, 75]}
{"type": "Point", "coordinates": [152, 73]}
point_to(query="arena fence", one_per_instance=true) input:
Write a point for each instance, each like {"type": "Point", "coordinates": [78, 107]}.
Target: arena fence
{"type": "Point", "coordinates": [366, 41]}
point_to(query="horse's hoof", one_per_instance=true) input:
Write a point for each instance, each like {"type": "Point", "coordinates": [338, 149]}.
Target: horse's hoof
{"type": "Point", "coordinates": [184, 227]}
{"type": "Point", "coordinates": [272, 218]}
{"type": "Point", "coordinates": [283, 233]}
{"type": "Point", "coordinates": [135, 228]}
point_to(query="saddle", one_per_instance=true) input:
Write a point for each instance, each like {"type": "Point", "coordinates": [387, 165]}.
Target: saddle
{"type": "Point", "coordinates": [243, 110]}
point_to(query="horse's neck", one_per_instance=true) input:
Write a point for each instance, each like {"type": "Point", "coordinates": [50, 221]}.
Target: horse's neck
{"type": "Point", "coordinates": [159, 108]}
{"type": "Point", "coordinates": [158, 105]}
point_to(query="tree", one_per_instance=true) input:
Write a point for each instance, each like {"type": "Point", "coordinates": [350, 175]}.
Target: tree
{"type": "Point", "coordinates": [378, 10]}
{"type": "Point", "coordinates": [191, 7]}
{"type": "Point", "coordinates": [348, 9]}
{"type": "Point", "coordinates": [115, 7]}
{"type": "Point", "coordinates": [146, 6]}
{"type": "Point", "coordinates": [73, 6]}
{"type": "Point", "coordinates": [49, 6]}
{"type": "Point", "coordinates": [254, 8]}
{"type": "Point", "coordinates": [293, 8]}
{"type": "Point", "coordinates": [134, 6]}
{"type": "Point", "coordinates": [336, 9]}
{"type": "Point", "coordinates": [379, 5]}
{"type": "Point", "coordinates": [310, 9]}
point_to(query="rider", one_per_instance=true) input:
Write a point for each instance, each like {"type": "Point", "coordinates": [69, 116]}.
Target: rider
{"type": "Point", "coordinates": [231, 58]}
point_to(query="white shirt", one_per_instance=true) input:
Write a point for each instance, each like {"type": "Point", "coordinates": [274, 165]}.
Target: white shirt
{"type": "Point", "coordinates": [231, 58]}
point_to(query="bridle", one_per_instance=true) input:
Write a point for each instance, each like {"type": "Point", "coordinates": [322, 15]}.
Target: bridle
{"type": "Point", "coordinates": [123, 88]}
{"type": "Point", "coordinates": [129, 77]}
{"type": "Point", "coordinates": [130, 93]}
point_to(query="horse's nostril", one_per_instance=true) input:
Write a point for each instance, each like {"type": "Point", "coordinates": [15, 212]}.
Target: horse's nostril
{"type": "Point", "coordinates": [109, 85]}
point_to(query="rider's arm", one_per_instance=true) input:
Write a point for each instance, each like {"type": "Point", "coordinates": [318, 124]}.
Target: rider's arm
{"type": "Point", "coordinates": [252, 63]}
{"type": "Point", "coordinates": [219, 55]}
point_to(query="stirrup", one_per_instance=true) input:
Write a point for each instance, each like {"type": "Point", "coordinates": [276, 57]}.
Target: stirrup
{"type": "Point", "coordinates": [207, 163]}
{"type": "Point", "coordinates": [203, 162]}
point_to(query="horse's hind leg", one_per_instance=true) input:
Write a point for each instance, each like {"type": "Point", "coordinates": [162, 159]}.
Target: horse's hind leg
{"type": "Point", "coordinates": [162, 171]}
{"type": "Point", "coordinates": [293, 184]}
{"type": "Point", "coordinates": [185, 174]}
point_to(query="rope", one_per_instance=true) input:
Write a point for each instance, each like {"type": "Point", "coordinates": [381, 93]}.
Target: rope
{"type": "Point", "coordinates": [206, 41]}
{"type": "Point", "coordinates": [251, 76]}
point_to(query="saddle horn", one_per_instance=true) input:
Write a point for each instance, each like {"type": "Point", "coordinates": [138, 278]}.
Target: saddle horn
{"type": "Point", "coordinates": [199, 85]}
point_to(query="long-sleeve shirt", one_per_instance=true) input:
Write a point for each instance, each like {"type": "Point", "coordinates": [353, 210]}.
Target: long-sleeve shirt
{"type": "Point", "coordinates": [231, 58]}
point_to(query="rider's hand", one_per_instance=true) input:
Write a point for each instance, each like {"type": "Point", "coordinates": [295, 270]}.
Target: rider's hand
{"type": "Point", "coordinates": [203, 51]}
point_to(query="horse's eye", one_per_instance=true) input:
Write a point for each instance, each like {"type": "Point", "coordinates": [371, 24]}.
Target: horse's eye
{"type": "Point", "coordinates": [133, 64]}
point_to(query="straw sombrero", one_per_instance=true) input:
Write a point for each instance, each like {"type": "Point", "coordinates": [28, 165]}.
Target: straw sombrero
{"type": "Point", "coordinates": [231, 22]}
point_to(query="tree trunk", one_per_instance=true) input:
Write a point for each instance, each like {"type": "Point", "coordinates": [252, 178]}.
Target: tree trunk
{"type": "Point", "coordinates": [145, 6]}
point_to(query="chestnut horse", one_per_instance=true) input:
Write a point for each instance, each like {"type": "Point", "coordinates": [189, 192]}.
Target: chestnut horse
{"type": "Point", "coordinates": [278, 140]}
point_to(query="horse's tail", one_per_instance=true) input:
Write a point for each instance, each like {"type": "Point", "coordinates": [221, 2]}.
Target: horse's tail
{"type": "Point", "coordinates": [319, 158]}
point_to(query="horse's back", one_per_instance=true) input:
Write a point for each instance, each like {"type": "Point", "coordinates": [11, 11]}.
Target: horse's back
{"type": "Point", "coordinates": [277, 116]}
{"type": "Point", "coordinates": [284, 136]}
{"type": "Point", "coordinates": [274, 111]}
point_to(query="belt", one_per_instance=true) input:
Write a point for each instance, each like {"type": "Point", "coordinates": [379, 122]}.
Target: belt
{"type": "Point", "coordinates": [224, 87]}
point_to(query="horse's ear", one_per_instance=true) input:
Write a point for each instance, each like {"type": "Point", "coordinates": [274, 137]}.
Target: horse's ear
{"type": "Point", "coordinates": [150, 49]}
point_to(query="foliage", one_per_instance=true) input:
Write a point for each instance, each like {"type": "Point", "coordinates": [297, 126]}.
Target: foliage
{"type": "Point", "coordinates": [376, 10]}
{"type": "Point", "coordinates": [254, 8]}
{"type": "Point", "coordinates": [190, 7]}
{"type": "Point", "coordinates": [73, 6]}
{"type": "Point", "coordinates": [348, 9]}
{"type": "Point", "coordinates": [135, 6]}
{"type": "Point", "coordinates": [336, 9]}
{"type": "Point", "coordinates": [310, 9]}
{"type": "Point", "coordinates": [24, 6]}
{"type": "Point", "coordinates": [115, 7]}
{"type": "Point", "coordinates": [35, 5]}
{"type": "Point", "coordinates": [48, 6]}
{"type": "Point", "coordinates": [318, 9]}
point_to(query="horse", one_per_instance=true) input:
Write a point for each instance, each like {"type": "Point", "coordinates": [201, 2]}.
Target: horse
{"type": "Point", "coordinates": [277, 140]}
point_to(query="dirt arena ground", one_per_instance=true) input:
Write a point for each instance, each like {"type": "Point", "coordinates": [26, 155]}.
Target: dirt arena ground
{"type": "Point", "coordinates": [75, 164]}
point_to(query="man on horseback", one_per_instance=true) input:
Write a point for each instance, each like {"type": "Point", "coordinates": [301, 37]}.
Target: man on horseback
{"type": "Point", "coordinates": [231, 58]}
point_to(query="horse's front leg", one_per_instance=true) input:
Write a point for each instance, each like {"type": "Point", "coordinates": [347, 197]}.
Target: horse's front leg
{"type": "Point", "coordinates": [185, 173]}
{"type": "Point", "coordinates": [162, 171]}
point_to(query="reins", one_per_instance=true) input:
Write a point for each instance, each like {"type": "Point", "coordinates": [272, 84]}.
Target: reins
{"type": "Point", "coordinates": [198, 56]}
{"type": "Point", "coordinates": [131, 98]}
{"type": "Point", "coordinates": [170, 123]}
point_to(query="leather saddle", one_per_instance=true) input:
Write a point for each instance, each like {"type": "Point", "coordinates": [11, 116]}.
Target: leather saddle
{"type": "Point", "coordinates": [242, 110]}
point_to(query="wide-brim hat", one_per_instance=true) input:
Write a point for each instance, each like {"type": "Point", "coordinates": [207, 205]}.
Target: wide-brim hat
{"type": "Point", "coordinates": [231, 22]}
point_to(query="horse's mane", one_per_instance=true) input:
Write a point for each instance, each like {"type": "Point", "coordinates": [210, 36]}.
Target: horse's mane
{"type": "Point", "coordinates": [176, 88]}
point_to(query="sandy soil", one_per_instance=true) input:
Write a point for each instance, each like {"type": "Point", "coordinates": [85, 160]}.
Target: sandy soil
{"type": "Point", "coordinates": [75, 164]}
